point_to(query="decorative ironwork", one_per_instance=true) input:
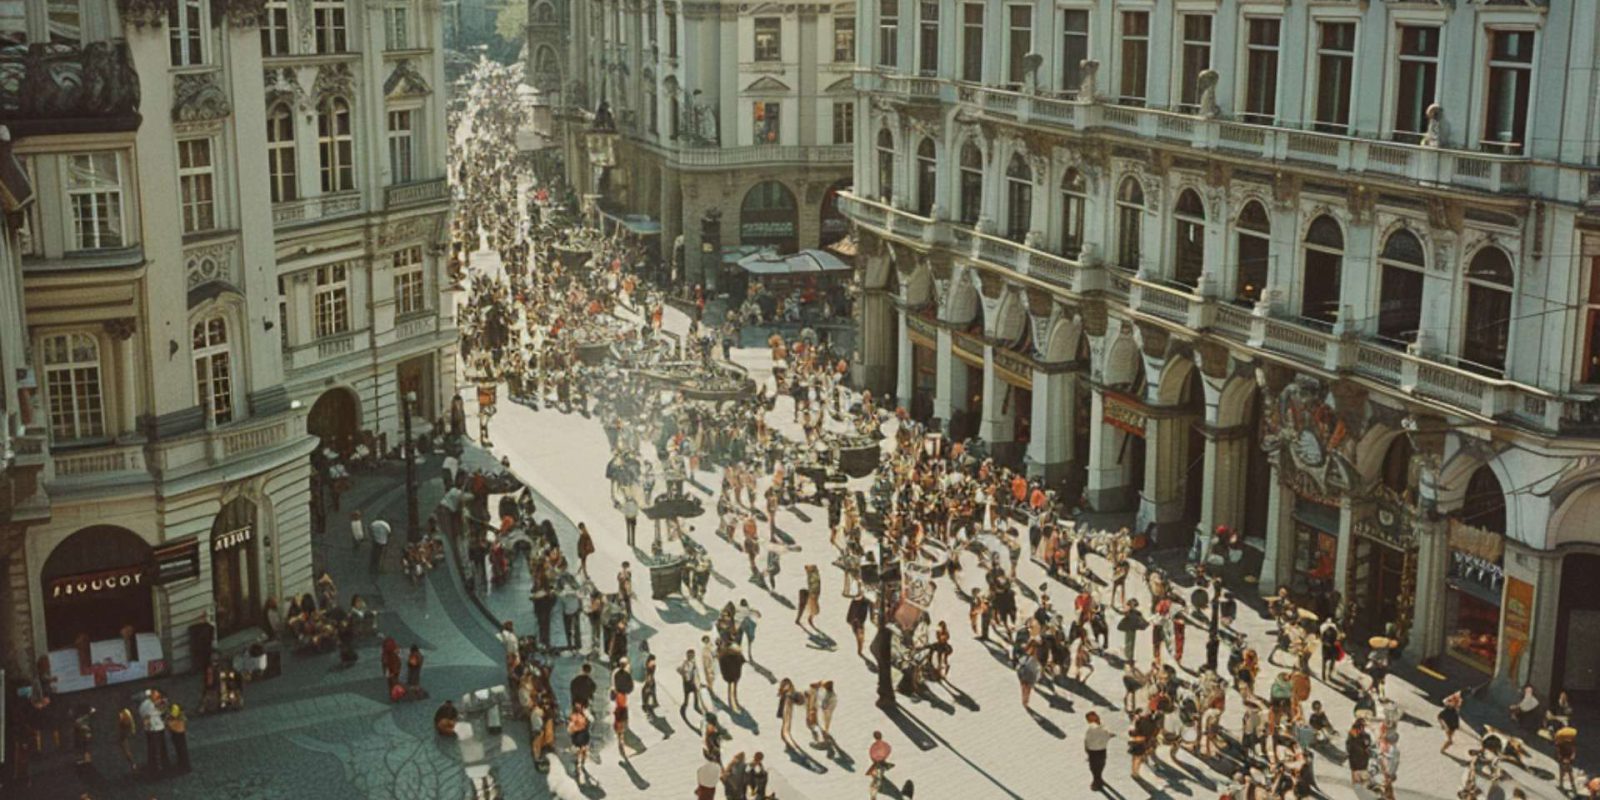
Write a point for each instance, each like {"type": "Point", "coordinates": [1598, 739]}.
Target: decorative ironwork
{"type": "Point", "coordinates": [199, 97]}
{"type": "Point", "coordinates": [405, 81]}
{"type": "Point", "coordinates": [52, 83]}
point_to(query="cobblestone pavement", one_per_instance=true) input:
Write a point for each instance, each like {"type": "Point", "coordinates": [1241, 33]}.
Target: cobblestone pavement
{"type": "Point", "coordinates": [318, 731]}
{"type": "Point", "coordinates": [970, 741]}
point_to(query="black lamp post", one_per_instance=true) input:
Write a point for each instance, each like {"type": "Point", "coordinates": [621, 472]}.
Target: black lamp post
{"type": "Point", "coordinates": [886, 699]}
{"type": "Point", "coordinates": [413, 534]}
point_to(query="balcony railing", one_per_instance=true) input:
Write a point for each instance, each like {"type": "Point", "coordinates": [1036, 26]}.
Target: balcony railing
{"type": "Point", "coordinates": [751, 155]}
{"type": "Point", "coordinates": [98, 461]}
{"type": "Point", "coordinates": [251, 437]}
{"type": "Point", "coordinates": [416, 326]}
{"type": "Point", "coordinates": [311, 209]}
{"type": "Point", "coordinates": [415, 193]}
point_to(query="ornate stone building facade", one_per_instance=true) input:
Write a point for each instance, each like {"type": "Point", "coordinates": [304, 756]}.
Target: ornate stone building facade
{"type": "Point", "coordinates": [739, 113]}
{"type": "Point", "coordinates": [1319, 273]}
{"type": "Point", "coordinates": [229, 244]}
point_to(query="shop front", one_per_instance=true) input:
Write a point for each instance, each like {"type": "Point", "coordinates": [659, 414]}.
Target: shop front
{"type": "Point", "coordinates": [235, 574]}
{"type": "Point", "coordinates": [966, 413]}
{"type": "Point", "coordinates": [99, 610]}
{"type": "Point", "coordinates": [1475, 581]}
{"type": "Point", "coordinates": [1381, 579]}
{"type": "Point", "coordinates": [418, 375]}
{"type": "Point", "coordinates": [924, 368]}
{"type": "Point", "coordinates": [1016, 372]}
{"type": "Point", "coordinates": [1125, 420]}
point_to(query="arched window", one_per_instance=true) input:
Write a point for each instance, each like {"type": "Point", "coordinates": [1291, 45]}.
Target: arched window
{"type": "Point", "coordinates": [1319, 291]}
{"type": "Point", "coordinates": [1400, 292]}
{"type": "Point", "coordinates": [1019, 198]}
{"type": "Point", "coordinates": [1396, 474]}
{"type": "Point", "coordinates": [1074, 194]}
{"type": "Point", "coordinates": [885, 166]}
{"type": "Point", "coordinates": [213, 369]}
{"type": "Point", "coordinates": [336, 146]}
{"type": "Point", "coordinates": [1485, 503]}
{"type": "Point", "coordinates": [280, 154]}
{"type": "Point", "coordinates": [72, 386]}
{"type": "Point", "coordinates": [927, 177]}
{"type": "Point", "coordinates": [971, 184]}
{"type": "Point", "coordinates": [1189, 239]}
{"type": "Point", "coordinates": [1130, 222]}
{"type": "Point", "coordinates": [1255, 248]}
{"type": "Point", "coordinates": [1490, 282]}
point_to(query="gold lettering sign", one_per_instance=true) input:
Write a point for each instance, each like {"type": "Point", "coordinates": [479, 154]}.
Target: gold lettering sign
{"type": "Point", "coordinates": [1123, 413]}
{"type": "Point", "coordinates": [96, 582]}
{"type": "Point", "coordinates": [233, 538]}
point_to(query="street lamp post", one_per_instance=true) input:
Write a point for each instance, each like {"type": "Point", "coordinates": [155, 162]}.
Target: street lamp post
{"type": "Point", "coordinates": [886, 699]}
{"type": "Point", "coordinates": [413, 534]}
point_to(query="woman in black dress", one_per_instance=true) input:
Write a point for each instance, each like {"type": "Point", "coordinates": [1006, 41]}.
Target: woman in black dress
{"type": "Point", "coordinates": [856, 616]}
{"type": "Point", "coordinates": [730, 661]}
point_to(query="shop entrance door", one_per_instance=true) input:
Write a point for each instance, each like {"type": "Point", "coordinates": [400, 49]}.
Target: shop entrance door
{"type": "Point", "coordinates": [233, 566]}
{"type": "Point", "coordinates": [1377, 573]}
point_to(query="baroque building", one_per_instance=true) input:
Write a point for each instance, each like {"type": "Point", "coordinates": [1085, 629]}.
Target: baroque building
{"type": "Point", "coordinates": [223, 223]}
{"type": "Point", "coordinates": [1322, 273]}
{"type": "Point", "coordinates": [735, 121]}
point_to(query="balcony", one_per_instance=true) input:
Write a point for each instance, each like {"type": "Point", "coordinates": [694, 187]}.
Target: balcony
{"type": "Point", "coordinates": [315, 209]}
{"type": "Point", "coordinates": [91, 463]}
{"type": "Point", "coordinates": [58, 89]}
{"type": "Point", "coordinates": [415, 193]}
{"type": "Point", "coordinates": [759, 155]}
{"type": "Point", "coordinates": [415, 326]}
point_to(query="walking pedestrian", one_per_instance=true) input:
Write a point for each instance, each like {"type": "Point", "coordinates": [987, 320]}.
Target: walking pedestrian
{"type": "Point", "coordinates": [1095, 740]}
{"type": "Point", "coordinates": [813, 595]}
{"type": "Point", "coordinates": [571, 612]}
{"type": "Point", "coordinates": [619, 722]}
{"type": "Point", "coordinates": [1450, 719]}
{"type": "Point", "coordinates": [787, 698]}
{"type": "Point", "coordinates": [389, 659]}
{"type": "Point", "coordinates": [414, 661]}
{"type": "Point", "coordinates": [731, 661]}
{"type": "Point", "coordinates": [856, 617]}
{"type": "Point", "coordinates": [630, 515]}
{"type": "Point", "coordinates": [691, 685]}
{"type": "Point", "coordinates": [647, 687]}
{"type": "Point", "coordinates": [1141, 739]}
{"type": "Point", "coordinates": [358, 531]}
{"type": "Point", "coordinates": [745, 617]}
{"type": "Point", "coordinates": [578, 734]}
{"type": "Point", "coordinates": [125, 730]}
{"type": "Point", "coordinates": [625, 589]}
{"type": "Point", "coordinates": [380, 543]}
{"type": "Point", "coordinates": [585, 549]}
{"type": "Point", "coordinates": [755, 777]}
{"type": "Point", "coordinates": [178, 728]}
{"type": "Point", "coordinates": [152, 713]}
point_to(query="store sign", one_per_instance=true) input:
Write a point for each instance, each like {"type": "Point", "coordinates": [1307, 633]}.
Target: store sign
{"type": "Point", "coordinates": [767, 229]}
{"type": "Point", "coordinates": [232, 539]}
{"type": "Point", "coordinates": [1518, 611]}
{"type": "Point", "coordinates": [1124, 413]}
{"type": "Point", "coordinates": [110, 580]}
{"type": "Point", "coordinates": [178, 561]}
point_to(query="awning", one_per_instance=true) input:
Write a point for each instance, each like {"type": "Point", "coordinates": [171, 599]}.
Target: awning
{"type": "Point", "coordinates": [803, 262]}
{"type": "Point", "coordinates": [640, 224]}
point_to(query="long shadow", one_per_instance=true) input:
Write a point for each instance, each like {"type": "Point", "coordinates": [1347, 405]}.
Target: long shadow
{"type": "Point", "coordinates": [800, 515]}
{"type": "Point", "coordinates": [822, 641]}
{"type": "Point", "coordinates": [1088, 693]}
{"type": "Point", "coordinates": [803, 759]}
{"type": "Point", "coordinates": [1058, 701]}
{"type": "Point", "coordinates": [962, 698]}
{"type": "Point", "coordinates": [592, 790]}
{"type": "Point", "coordinates": [781, 600]}
{"type": "Point", "coordinates": [743, 719]}
{"type": "Point", "coordinates": [763, 672]}
{"type": "Point", "coordinates": [663, 726]}
{"type": "Point", "coordinates": [633, 775]}
{"type": "Point", "coordinates": [914, 730]}
{"type": "Point", "coordinates": [1046, 725]}
{"type": "Point", "coordinates": [677, 611]}
{"type": "Point", "coordinates": [935, 702]}
{"type": "Point", "coordinates": [837, 754]}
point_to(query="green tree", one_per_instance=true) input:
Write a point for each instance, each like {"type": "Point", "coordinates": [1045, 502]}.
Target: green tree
{"type": "Point", "coordinates": [512, 22]}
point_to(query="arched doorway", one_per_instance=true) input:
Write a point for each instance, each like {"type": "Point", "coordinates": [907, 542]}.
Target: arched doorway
{"type": "Point", "coordinates": [1118, 437]}
{"type": "Point", "coordinates": [235, 576]}
{"type": "Point", "coordinates": [769, 217]}
{"type": "Point", "coordinates": [1475, 581]}
{"type": "Point", "coordinates": [1576, 667]}
{"type": "Point", "coordinates": [95, 583]}
{"type": "Point", "coordinates": [834, 224]}
{"type": "Point", "coordinates": [335, 419]}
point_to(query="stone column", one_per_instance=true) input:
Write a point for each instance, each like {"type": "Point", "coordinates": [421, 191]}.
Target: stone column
{"type": "Point", "coordinates": [1108, 473]}
{"type": "Point", "coordinates": [997, 425]}
{"type": "Point", "coordinates": [903, 362]}
{"type": "Point", "coordinates": [1223, 501]}
{"type": "Point", "coordinates": [1161, 501]}
{"type": "Point", "coordinates": [1278, 557]}
{"type": "Point", "coordinates": [876, 332]}
{"type": "Point", "coordinates": [671, 217]}
{"type": "Point", "coordinates": [1054, 409]}
{"type": "Point", "coordinates": [1426, 637]}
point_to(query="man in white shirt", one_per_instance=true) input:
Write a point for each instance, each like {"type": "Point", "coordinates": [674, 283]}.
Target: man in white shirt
{"type": "Point", "coordinates": [151, 714]}
{"type": "Point", "coordinates": [508, 637]}
{"type": "Point", "coordinates": [451, 465]}
{"type": "Point", "coordinates": [691, 687]}
{"type": "Point", "coordinates": [358, 531]}
{"type": "Point", "coordinates": [380, 541]}
{"type": "Point", "coordinates": [630, 513]}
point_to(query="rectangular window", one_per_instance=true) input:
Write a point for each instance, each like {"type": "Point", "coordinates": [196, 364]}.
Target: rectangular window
{"type": "Point", "coordinates": [275, 28]}
{"type": "Point", "coordinates": [844, 38]}
{"type": "Point", "coordinates": [331, 301]}
{"type": "Point", "coordinates": [72, 386]}
{"type": "Point", "coordinates": [1135, 58]}
{"type": "Point", "coordinates": [1261, 71]}
{"type": "Point", "coordinates": [213, 374]}
{"type": "Point", "coordinates": [928, 44]}
{"type": "Point", "coordinates": [197, 181]}
{"type": "Point", "coordinates": [764, 123]}
{"type": "Point", "coordinates": [1419, 81]}
{"type": "Point", "coordinates": [281, 168]}
{"type": "Point", "coordinates": [283, 316]}
{"type": "Point", "coordinates": [186, 32]}
{"type": "Point", "coordinates": [397, 27]}
{"type": "Point", "coordinates": [1336, 64]}
{"type": "Point", "coordinates": [844, 122]}
{"type": "Point", "coordinates": [1505, 124]}
{"type": "Point", "coordinates": [1019, 42]}
{"type": "Point", "coordinates": [94, 191]}
{"type": "Point", "coordinates": [410, 296]}
{"type": "Point", "coordinates": [972, 42]}
{"type": "Point", "coordinates": [1589, 371]}
{"type": "Point", "coordinates": [401, 147]}
{"type": "Point", "coordinates": [336, 147]}
{"type": "Point", "coordinates": [653, 103]}
{"type": "Point", "coordinates": [769, 32]}
{"type": "Point", "coordinates": [672, 36]}
{"type": "Point", "coordinates": [1196, 59]}
{"type": "Point", "coordinates": [330, 26]}
{"type": "Point", "coordinates": [1074, 49]}
{"type": "Point", "coordinates": [888, 33]}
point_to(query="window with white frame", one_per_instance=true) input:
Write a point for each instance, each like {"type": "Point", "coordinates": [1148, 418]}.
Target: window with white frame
{"type": "Point", "coordinates": [283, 315]}
{"type": "Point", "coordinates": [1505, 122]}
{"type": "Point", "coordinates": [94, 192]}
{"type": "Point", "coordinates": [1074, 197]}
{"type": "Point", "coordinates": [1261, 70]}
{"type": "Point", "coordinates": [970, 187]}
{"type": "Point", "coordinates": [1490, 283]}
{"type": "Point", "coordinates": [397, 26]}
{"type": "Point", "coordinates": [885, 165]}
{"type": "Point", "coordinates": [1019, 42]}
{"type": "Point", "coordinates": [213, 369]}
{"type": "Point", "coordinates": [275, 34]}
{"type": "Point", "coordinates": [1019, 199]}
{"type": "Point", "coordinates": [336, 146]}
{"type": "Point", "coordinates": [1134, 59]}
{"type": "Point", "coordinates": [888, 33]}
{"type": "Point", "coordinates": [330, 25]}
{"type": "Point", "coordinates": [1336, 64]}
{"type": "Point", "coordinates": [331, 300]}
{"type": "Point", "coordinates": [1074, 48]}
{"type": "Point", "coordinates": [1195, 58]}
{"type": "Point", "coordinates": [1130, 223]}
{"type": "Point", "coordinates": [1189, 239]}
{"type": "Point", "coordinates": [844, 122]}
{"type": "Point", "coordinates": [1254, 256]}
{"type": "Point", "coordinates": [765, 122]}
{"type": "Point", "coordinates": [281, 170]}
{"type": "Point", "coordinates": [972, 42]}
{"type": "Point", "coordinates": [186, 31]}
{"type": "Point", "coordinates": [72, 386]}
{"type": "Point", "coordinates": [197, 182]}
{"type": "Point", "coordinates": [844, 38]}
{"type": "Point", "coordinates": [1401, 265]}
{"type": "Point", "coordinates": [927, 176]}
{"type": "Point", "coordinates": [1323, 278]}
{"type": "Point", "coordinates": [1418, 81]}
{"type": "Point", "coordinates": [928, 38]}
{"type": "Point", "coordinates": [769, 38]}
{"type": "Point", "coordinates": [401, 146]}
{"type": "Point", "coordinates": [410, 293]}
